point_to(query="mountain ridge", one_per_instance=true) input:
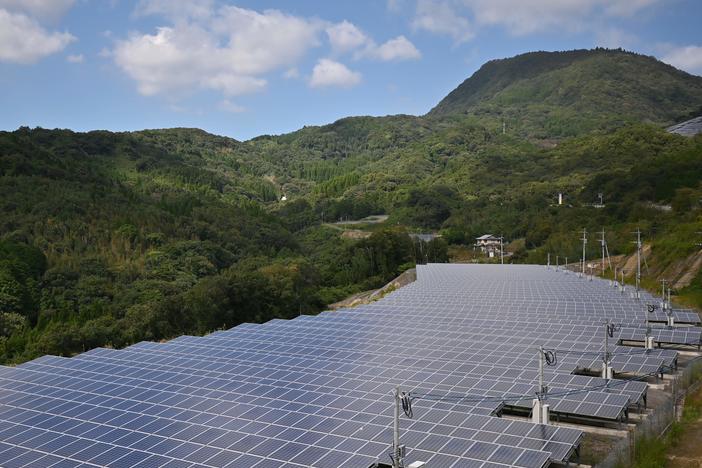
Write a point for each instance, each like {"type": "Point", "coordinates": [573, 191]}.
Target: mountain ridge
{"type": "Point", "coordinates": [111, 238]}
{"type": "Point", "coordinates": [590, 87]}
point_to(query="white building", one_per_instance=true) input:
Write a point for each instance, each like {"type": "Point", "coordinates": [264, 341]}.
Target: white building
{"type": "Point", "coordinates": [488, 244]}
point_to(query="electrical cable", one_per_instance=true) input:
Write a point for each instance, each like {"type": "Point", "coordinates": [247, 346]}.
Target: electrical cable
{"type": "Point", "coordinates": [406, 400]}
{"type": "Point", "coordinates": [550, 357]}
{"type": "Point", "coordinates": [612, 328]}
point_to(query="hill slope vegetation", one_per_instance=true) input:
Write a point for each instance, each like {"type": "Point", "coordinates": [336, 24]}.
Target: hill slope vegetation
{"type": "Point", "coordinates": [110, 238]}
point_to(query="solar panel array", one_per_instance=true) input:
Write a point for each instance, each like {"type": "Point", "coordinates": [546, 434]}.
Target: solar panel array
{"type": "Point", "coordinates": [316, 391]}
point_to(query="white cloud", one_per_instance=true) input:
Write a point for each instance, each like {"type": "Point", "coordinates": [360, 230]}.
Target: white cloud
{"type": "Point", "coordinates": [399, 48]}
{"type": "Point", "coordinates": [23, 40]}
{"type": "Point", "coordinates": [626, 8]}
{"type": "Point", "coordinates": [441, 17]}
{"type": "Point", "coordinates": [228, 50]}
{"type": "Point", "coordinates": [614, 37]}
{"type": "Point", "coordinates": [688, 58]}
{"type": "Point", "coordinates": [259, 42]}
{"type": "Point", "coordinates": [345, 37]}
{"type": "Point", "coordinates": [461, 18]}
{"type": "Point", "coordinates": [231, 50]}
{"type": "Point", "coordinates": [330, 73]}
{"type": "Point", "coordinates": [176, 9]}
{"type": "Point", "coordinates": [43, 10]}
{"type": "Point", "coordinates": [78, 58]}
{"type": "Point", "coordinates": [291, 73]}
{"type": "Point", "coordinates": [228, 106]}
{"type": "Point", "coordinates": [539, 15]}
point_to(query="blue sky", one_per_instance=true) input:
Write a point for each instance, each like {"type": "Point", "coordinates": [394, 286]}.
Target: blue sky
{"type": "Point", "coordinates": [248, 68]}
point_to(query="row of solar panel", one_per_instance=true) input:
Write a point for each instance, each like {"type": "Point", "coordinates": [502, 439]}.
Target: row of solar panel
{"type": "Point", "coordinates": [316, 391]}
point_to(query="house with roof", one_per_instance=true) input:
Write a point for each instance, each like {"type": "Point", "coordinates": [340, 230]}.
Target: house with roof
{"type": "Point", "coordinates": [489, 245]}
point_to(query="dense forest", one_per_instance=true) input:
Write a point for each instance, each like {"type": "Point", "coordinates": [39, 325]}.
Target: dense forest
{"type": "Point", "coordinates": [111, 238]}
{"type": "Point", "coordinates": [108, 239]}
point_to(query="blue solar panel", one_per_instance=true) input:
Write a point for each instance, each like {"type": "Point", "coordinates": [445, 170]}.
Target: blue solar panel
{"type": "Point", "coordinates": [315, 391]}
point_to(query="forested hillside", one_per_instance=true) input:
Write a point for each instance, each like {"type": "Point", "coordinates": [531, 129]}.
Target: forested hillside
{"type": "Point", "coordinates": [557, 94]}
{"type": "Point", "coordinates": [110, 238]}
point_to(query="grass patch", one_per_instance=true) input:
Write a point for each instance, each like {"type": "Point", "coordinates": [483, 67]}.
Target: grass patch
{"type": "Point", "coordinates": [692, 295]}
{"type": "Point", "coordinates": [651, 452]}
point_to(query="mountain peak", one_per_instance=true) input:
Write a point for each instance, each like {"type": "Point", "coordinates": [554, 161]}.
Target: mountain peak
{"type": "Point", "coordinates": [586, 87]}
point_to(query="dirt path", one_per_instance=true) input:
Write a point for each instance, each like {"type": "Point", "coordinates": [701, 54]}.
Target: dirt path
{"type": "Point", "coordinates": [687, 453]}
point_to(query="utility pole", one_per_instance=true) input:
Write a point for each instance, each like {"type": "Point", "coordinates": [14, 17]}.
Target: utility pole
{"type": "Point", "coordinates": [605, 350]}
{"type": "Point", "coordinates": [638, 262]}
{"type": "Point", "coordinates": [541, 373]}
{"type": "Point", "coordinates": [603, 243]}
{"type": "Point", "coordinates": [664, 303]}
{"type": "Point", "coordinates": [614, 281]}
{"type": "Point", "coordinates": [648, 343]}
{"type": "Point", "coordinates": [623, 285]}
{"type": "Point", "coordinates": [540, 410]}
{"type": "Point", "coordinates": [502, 252]}
{"type": "Point", "coordinates": [566, 264]}
{"type": "Point", "coordinates": [671, 317]}
{"type": "Point", "coordinates": [397, 449]}
{"type": "Point", "coordinates": [606, 368]}
{"type": "Point", "coordinates": [584, 239]}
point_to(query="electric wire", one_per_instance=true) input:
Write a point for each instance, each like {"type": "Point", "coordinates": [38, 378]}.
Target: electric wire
{"type": "Point", "coordinates": [406, 401]}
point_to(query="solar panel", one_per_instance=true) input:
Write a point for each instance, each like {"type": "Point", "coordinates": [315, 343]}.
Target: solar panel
{"type": "Point", "coordinates": [315, 391]}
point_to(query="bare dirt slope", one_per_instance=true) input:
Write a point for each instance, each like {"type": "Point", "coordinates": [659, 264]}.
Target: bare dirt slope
{"type": "Point", "coordinates": [365, 297]}
{"type": "Point", "coordinates": [681, 272]}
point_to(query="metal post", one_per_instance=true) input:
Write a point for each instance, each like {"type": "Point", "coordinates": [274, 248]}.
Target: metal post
{"type": "Point", "coordinates": [396, 431]}
{"type": "Point", "coordinates": [502, 253]}
{"type": "Point", "coordinates": [584, 239]}
{"type": "Point", "coordinates": [556, 262]}
{"type": "Point", "coordinates": [540, 410]}
{"type": "Point", "coordinates": [638, 261]}
{"type": "Point", "coordinates": [548, 261]}
{"type": "Point", "coordinates": [648, 326]}
{"type": "Point", "coordinates": [602, 241]}
{"type": "Point", "coordinates": [623, 280]}
{"type": "Point", "coordinates": [541, 373]}
{"type": "Point", "coordinates": [605, 351]}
